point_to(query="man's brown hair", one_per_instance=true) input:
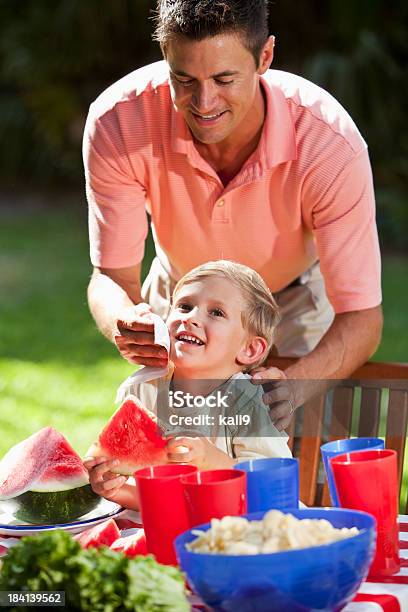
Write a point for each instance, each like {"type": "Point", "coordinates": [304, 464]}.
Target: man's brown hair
{"type": "Point", "coordinates": [199, 19]}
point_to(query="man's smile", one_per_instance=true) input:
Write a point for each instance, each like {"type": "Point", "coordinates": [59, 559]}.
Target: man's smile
{"type": "Point", "coordinates": [208, 119]}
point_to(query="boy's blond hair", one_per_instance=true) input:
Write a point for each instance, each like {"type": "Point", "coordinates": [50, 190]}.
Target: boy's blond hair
{"type": "Point", "coordinates": [261, 315]}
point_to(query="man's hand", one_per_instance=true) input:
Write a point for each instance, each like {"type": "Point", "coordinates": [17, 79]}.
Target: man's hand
{"type": "Point", "coordinates": [198, 451]}
{"type": "Point", "coordinates": [284, 395]}
{"type": "Point", "coordinates": [116, 304]}
{"type": "Point", "coordinates": [279, 396]}
{"type": "Point", "coordinates": [135, 338]}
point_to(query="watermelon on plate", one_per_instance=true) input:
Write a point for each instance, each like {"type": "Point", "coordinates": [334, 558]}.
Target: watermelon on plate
{"type": "Point", "coordinates": [43, 480]}
{"type": "Point", "coordinates": [132, 545]}
{"type": "Point", "coordinates": [103, 534]}
{"type": "Point", "coordinates": [132, 436]}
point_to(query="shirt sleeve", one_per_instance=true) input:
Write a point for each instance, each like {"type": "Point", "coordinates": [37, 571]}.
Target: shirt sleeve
{"type": "Point", "coordinates": [342, 218]}
{"type": "Point", "coordinates": [116, 196]}
{"type": "Point", "coordinates": [145, 393]}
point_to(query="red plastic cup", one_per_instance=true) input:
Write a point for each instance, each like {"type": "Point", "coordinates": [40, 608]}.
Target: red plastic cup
{"type": "Point", "coordinates": [368, 481]}
{"type": "Point", "coordinates": [214, 494]}
{"type": "Point", "coordinates": [163, 507]}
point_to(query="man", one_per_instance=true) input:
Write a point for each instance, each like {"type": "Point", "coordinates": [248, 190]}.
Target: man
{"type": "Point", "coordinates": [235, 161]}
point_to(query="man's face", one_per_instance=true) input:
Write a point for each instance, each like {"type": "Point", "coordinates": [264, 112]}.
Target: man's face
{"type": "Point", "coordinates": [214, 83]}
{"type": "Point", "coordinates": [205, 326]}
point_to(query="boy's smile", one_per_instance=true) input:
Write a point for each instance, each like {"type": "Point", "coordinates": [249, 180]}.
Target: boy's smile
{"type": "Point", "coordinates": [206, 331]}
{"type": "Point", "coordinates": [189, 338]}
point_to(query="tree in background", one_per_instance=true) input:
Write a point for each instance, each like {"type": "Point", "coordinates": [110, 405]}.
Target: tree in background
{"type": "Point", "coordinates": [55, 57]}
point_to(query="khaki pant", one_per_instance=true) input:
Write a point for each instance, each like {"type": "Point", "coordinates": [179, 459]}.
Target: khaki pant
{"type": "Point", "coordinates": [305, 310]}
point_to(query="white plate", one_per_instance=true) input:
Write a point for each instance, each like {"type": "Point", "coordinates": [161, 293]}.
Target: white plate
{"type": "Point", "coordinates": [10, 526]}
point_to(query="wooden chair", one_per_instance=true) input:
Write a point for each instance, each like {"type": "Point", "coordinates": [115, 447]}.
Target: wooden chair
{"type": "Point", "coordinates": [372, 402]}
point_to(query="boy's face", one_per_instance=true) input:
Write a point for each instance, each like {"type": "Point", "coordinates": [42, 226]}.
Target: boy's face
{"type": "Point", "coordinates": [206, 333]}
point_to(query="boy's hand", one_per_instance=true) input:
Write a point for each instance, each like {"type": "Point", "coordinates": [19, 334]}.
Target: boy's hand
{"type": "Point", "coordinates": [135, 338]}
{"type": "Point", "coordinates": [102, 478]}
{"type": "Point", "coordinates": [200, 452]}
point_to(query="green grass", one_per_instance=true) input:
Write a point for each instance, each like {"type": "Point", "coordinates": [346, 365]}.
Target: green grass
{"type": "Point", "coordinates": [394, 344]}
{"type": "Point", "coordinates": [55, 367]}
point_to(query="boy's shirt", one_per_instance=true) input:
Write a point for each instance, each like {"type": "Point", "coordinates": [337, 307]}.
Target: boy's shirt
{"type": "Point", "coordinates": [234, 417]}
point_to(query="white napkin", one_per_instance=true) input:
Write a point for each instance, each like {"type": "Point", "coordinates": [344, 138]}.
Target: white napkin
{"type": "Point", "coordinates": [146, 373]}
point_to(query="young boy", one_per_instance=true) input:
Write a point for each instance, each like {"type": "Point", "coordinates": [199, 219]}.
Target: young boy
{"type": "Point", "coordinates": [221, 325]}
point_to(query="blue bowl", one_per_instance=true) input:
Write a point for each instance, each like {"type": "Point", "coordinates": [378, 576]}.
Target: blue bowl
{"type": "Point", "coordinates": [316, 578]}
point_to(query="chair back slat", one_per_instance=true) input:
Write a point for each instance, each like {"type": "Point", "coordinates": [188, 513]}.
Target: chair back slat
{"type": "Point", "coordinates": [369, 422]}
{"type": "Point", "coordinates": [309, 449]}
{"type": "Point", "coordinates": [374, 379]}
{"type": "Point", "coordinates": [397, 426]}
{"type": "Point", "coordinates": [325, 501]}
{"type": "Point", "coordinates": [340, 425]}
{"type": "Point", "coordinates": [342, 412]}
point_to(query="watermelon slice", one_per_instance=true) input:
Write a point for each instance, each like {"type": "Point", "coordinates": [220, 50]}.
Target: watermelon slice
{"type": "Point", "coordinates": [133, 437]}
{"type": "Point", "coordinates": [103, 534]}
{"type": "Point", "coordinates": [132, 545]}
{"type": "Point", "coordinates": [43, 480]}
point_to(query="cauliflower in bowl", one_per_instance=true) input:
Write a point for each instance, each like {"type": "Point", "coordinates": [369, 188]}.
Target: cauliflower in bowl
{"type": "Point", "coordinates": [276, 532]}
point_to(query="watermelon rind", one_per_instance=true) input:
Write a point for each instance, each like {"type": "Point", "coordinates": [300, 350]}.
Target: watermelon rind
{"type": "Point", "coordinates": [43, 462]}
{"type": "Point", "coordinates": [51, 507]}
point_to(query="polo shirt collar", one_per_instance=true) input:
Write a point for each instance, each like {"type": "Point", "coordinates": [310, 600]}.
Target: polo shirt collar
{"type": "Point", "coordinates": [278, 139]}
{"type": "Point", "coordinates": [180, 134]}
{"type": "Point", "coordinates": [277, 144]}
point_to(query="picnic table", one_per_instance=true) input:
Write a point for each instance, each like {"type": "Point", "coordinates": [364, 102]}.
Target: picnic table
{"type": "Point", "coordinates": [390, 594]}
{"type": "Point", "coordinates": [386, 595]}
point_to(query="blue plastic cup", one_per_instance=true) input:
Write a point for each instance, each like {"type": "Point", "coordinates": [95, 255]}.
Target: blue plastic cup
{"type": "Point", "coordinates": [271, 483]}
{"type": "Point", "coordinates": [339, 447]}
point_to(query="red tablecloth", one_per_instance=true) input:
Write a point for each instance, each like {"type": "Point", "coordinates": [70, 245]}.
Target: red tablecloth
{"type": "Point", "coordinates": [389, 595]}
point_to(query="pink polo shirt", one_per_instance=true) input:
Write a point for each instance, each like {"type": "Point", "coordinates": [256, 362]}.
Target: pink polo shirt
{"type": "Point", "coordinates": [306, 193]}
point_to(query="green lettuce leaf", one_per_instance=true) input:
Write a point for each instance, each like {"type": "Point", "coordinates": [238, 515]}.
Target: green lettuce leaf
{"type": "Point", "coordinates": [94, 580]}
